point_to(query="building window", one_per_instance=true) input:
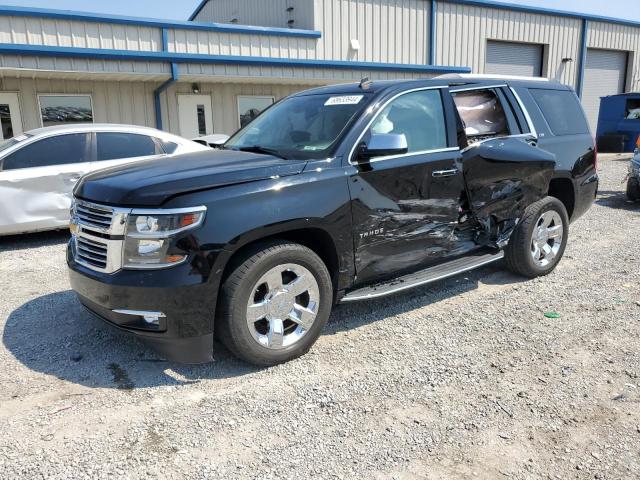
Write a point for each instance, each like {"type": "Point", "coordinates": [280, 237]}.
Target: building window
{"type": "Point", "coordinates": [202, 120]}
{"type": "Point", "coordinates": [5, 121]}
{"type": "Point", "coordinates": [249, 107]}
{"type": "Point", "coordinates": [61, 109]}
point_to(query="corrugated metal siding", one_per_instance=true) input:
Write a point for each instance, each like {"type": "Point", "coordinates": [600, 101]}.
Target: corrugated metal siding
{"type": "Point", "coordinates": [68, 33]}
{"type": "Point", "coordinates": [390, 31]}
{"type": "Point", "coordinates": [463, 31]}
{"type": "Point", "coordinates": [308, 76]}
{"type": "Point", "coordinates": [618, 37]}
{"type": "Point", "coordinates": [605, 73]}
{"type": "Point", "coordinates": [224, 99]}
{"type": "Point", "coordinates": [113, 102]}
{"type": "Point", "coordinates": [271, 13]}
{"type": "Point", "coordinates": [509, 58]}
{"type": "Point", "coordinates": [221, 43]}
{"type": "Point", "coordinates": [84, 66]}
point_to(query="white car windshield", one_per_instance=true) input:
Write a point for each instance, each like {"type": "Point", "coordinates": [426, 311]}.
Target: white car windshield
{"type": "Point", "coordinates": [303, 127]}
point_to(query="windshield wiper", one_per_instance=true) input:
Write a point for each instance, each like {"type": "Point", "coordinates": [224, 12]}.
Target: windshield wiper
{"type": "Point", "coordinates": [259, 149]}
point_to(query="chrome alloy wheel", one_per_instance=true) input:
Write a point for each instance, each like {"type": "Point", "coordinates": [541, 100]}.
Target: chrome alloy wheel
{"type": "Point", "coordinates": [547, 238]}
{"type": "Point", "coordinates": [283, 306]}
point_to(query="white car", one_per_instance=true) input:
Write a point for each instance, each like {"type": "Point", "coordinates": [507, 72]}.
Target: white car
{"type": "Point", "coordinates": [39, 169]}
{"type": "Point", "coordinates": [214, 141]}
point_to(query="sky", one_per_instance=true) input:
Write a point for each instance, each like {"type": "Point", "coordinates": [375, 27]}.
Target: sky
{"type": "Point", "coordinates": [181, 9]}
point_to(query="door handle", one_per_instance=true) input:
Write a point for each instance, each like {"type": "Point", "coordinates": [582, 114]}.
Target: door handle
{"type": "Point", "coordinates": [444, 173]}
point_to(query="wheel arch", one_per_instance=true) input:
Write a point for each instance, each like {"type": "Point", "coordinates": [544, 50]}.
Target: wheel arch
{"type": "Point", "coordinates": [563, 189]}
{"type": "Point", "coordinates": [316, 238]}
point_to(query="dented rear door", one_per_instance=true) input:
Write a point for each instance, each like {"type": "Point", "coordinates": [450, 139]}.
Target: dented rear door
{"type": "Point", "coordinates": [505, 175]}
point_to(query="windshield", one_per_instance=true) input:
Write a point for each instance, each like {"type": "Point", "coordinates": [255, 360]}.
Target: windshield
{"type": "Point", "coordinates": [303, 127]}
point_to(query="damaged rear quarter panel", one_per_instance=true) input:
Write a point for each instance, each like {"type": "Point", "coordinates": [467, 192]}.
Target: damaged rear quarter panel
{"type": "Point", "coordinates": [505, 175]}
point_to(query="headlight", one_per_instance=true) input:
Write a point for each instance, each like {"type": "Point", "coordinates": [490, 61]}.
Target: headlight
{"type": "Point", "coordinates": [150, 233]}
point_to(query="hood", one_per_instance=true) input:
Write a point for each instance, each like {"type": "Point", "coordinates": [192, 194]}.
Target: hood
{"type": "Point", "coordinates": [152, 182]}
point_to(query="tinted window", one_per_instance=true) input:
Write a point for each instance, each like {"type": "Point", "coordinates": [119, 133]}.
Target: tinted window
{"type": "Point", "coordinates": [168, 147]}
{"type": "Point", "coordinates": [58, 150]}
{"type": "Point", "coordinates": [112, 146]}
{"type": "Point", "coordinates": [419, 116]}
{"type": "Point", "coordinates": [561, 110]}
{"type": "Point", "coordinates": [632, 109]}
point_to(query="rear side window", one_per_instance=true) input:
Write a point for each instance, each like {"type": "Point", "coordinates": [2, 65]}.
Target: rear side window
{"type": "Point", "coordinates": [58, 150]}
{"type": "Point", "coordinates": [561, 110]}
{"type": "Point", "coordinates": [114, 145]}
{"type": "Point", "coordinates": [419, 116]}
{"type": "Point", "coordinates": [482, 114]}
{"type": "Point", "coordinates": [168, 147]}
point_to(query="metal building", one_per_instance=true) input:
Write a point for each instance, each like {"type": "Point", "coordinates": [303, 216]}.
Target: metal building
{"type": "Point", "coordinates": [233, 58]}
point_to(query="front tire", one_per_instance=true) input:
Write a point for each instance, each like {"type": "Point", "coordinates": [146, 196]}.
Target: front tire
{"type": "Point", "coordinates": [538, 242]}
{"type": "Point", "coordinates": [274, 303]}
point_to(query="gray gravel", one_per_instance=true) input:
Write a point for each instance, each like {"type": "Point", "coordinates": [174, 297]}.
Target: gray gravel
{"type": "Point", "coordinates": [466, 378]}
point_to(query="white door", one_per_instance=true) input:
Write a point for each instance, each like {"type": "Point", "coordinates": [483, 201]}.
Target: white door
{"type": "Point", "coordinates": [604, 74]}
{"type": "Point", "coordinates": [36, 182]}
{"type": "Point", "coordinates": [10, 116]}
{"type": "Point", "coordinates": [195, 115]}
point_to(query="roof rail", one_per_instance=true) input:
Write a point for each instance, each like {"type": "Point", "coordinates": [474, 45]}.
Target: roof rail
{"type": "Point", "coordinates": [482, 76]}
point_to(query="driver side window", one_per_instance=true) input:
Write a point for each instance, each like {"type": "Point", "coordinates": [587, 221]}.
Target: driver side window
{"type": "Point", "coordinates": [419, 116]}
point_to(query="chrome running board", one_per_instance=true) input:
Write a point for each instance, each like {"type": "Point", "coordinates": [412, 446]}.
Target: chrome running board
{"type": "Point", "coordinates": [423, 277]}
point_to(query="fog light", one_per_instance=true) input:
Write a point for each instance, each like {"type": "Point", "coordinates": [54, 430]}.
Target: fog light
{"type": "Point", "coordinates": [152, 319]}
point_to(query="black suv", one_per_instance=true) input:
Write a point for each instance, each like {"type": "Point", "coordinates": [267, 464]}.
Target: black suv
{"type": "Point", "coordinates": [335, 194]}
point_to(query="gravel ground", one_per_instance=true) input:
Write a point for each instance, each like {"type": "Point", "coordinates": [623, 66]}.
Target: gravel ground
{"type": "Point", "coordinates": [464, 379]}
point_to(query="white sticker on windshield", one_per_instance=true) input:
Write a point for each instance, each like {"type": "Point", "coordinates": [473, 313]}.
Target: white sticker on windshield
{"type": "Point", "coordinates": [344, 100]}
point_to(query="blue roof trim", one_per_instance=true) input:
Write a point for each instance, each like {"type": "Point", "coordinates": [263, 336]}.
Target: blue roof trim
{"type": "Point", "coordinates": [198, 9]}
{"type": "Point", "coordinates": [544, 11]}
{"type": "Point", "coordinates": [146, 22]}
{"type": "Point", "coordinates": [432, 32]}
{"type": "Point", "coordinates": [107, 54]}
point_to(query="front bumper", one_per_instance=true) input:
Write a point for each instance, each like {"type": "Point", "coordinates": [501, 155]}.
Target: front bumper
{"type": "Point", "coordinates": [186, 299]}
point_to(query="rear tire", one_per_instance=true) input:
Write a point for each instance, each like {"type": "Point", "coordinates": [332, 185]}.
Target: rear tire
{"type": "Point", "coordinates": [274, 303]}
{"type": "Point", "coordinates": [633, 189]}
{"type": "Point", "coordinates": [538, 242]}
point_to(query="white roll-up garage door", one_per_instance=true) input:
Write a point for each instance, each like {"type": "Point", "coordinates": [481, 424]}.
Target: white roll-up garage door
{"type": "Point", "coordinates": [604, 74]}
{"type": "Point", "coordinates": [507, 58]}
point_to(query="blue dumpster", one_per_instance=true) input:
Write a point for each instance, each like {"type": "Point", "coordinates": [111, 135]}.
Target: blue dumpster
{"type": "Point", "coordinates": [619, 123]}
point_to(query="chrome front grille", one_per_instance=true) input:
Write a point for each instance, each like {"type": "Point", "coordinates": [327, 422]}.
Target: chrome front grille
{"type": "Point", "coordinates": [92, 252]}
{"type": "Point", "coordinates": [98, 235]}
{"type": "Point", "coordinates": [94, 215]}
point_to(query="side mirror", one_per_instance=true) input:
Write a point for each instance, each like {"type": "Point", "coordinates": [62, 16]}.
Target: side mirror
{"type": "Point", "coordinates": [384, 144]}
